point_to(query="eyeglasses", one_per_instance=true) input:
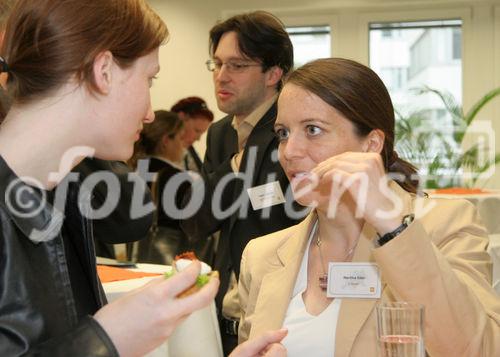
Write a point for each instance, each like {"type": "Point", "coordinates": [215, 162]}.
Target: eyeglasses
{"type": "Point", "coordinates": [231, 66]}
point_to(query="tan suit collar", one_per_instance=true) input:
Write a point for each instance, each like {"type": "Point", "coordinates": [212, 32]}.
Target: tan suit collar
{"type": "Point", "coordinates": [287, 253]}
{"type": "Point", "coordinates": [277, 286]}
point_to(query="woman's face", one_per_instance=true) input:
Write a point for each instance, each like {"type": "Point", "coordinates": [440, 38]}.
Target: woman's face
{"type": "Point", "coordinates": [194, 128]}
{"type": "Point", "coordinates": [128, 107]}
{"type": "Point", "coordinates": [310, 131]}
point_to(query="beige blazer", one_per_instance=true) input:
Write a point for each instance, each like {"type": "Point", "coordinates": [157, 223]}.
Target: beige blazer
{"type": "Point", "coordinates": [440, 261]}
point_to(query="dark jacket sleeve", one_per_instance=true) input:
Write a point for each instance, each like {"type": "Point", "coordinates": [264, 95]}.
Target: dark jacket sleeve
{"type": "Point", "coordinates": [86, 339]}
{"type": "Point", "coordinates": [119, 226]}
{"type": "Point", "coordinates": [204, 222]}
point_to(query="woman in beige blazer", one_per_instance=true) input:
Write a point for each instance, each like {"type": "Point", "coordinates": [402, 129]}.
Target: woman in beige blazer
{"type": "Point", "coordinates": [336, 129]}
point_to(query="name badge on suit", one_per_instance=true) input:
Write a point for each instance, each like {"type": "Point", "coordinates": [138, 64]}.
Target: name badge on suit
{"type": "Point", "coordinates": [266, 195]}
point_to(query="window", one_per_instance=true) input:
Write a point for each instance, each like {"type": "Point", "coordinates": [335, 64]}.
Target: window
{"type": "Point", "coordinates": [457, 43]}
{"type": "Point", "coordinates": [419, 54]}
{"type": "Point", "coordinates": [310, 43]}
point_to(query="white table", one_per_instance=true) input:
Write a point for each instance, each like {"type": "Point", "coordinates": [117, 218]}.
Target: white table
{"type": "Point", "coordinates": [197, 336]}
{"type": "Point", "coordinates": [488, 206]}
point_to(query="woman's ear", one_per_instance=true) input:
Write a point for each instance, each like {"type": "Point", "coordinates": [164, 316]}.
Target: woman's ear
{"type": "Point", "coordinates": [103, 65]}
{"type": "Point", "coordinates": [182, 115]}
{"type": "Point", "coordinates": [165, 139]}
{"type": "Point", "coordinates": [3, 80]}
{"type": "Point", "coordinates": [374, 141]}
{"type": "Point", "coordinates": [162, 145]}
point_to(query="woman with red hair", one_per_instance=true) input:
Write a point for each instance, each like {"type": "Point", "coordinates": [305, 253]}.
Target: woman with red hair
{"type": "Point", "coordinates": [197, 118]}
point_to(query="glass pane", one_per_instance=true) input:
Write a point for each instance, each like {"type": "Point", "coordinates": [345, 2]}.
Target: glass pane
{"type": "Point", "coordinates": [412, 58]}
{"type": "Point", "coordinates": [310, 43]}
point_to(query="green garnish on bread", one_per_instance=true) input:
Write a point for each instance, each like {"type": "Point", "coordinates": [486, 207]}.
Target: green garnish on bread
{"type": "Point", "coordinates": [181, 262]}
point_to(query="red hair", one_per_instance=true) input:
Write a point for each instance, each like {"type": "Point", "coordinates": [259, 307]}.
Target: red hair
{"type": "Point", "coordinates": [49, 41]}
{"type": "Point", "coordinates": [193, 106]}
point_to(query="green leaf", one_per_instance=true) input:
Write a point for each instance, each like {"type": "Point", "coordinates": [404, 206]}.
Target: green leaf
{"type": "Point", "coordinates": [202, 280]}
{"type": "Point", "coordinates": [414, 137]}
{"type": "Point", "coordinates": [480, 170]}
{"type": "Point", "coordinates": [449, 102]}
{"type": "Point", "coordinates": [471, 114]}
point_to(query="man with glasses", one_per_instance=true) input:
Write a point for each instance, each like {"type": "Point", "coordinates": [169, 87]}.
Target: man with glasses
{"type": "Point", "coordinates": [250, 55]}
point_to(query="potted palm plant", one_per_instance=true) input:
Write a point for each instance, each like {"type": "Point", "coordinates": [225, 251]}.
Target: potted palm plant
{"type": "Point", "coordinates": [440, 155]}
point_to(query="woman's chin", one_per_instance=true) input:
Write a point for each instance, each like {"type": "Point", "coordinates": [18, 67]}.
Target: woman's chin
{"type": "Point", "coordinates": [114, 155]}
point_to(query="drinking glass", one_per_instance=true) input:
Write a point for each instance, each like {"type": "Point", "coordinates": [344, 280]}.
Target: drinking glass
{"type": "Point", "coordinates": [400, 329]}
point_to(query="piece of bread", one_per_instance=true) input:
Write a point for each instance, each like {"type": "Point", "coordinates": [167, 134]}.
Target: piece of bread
{"type": "Point", "coordinates": [206, 272]}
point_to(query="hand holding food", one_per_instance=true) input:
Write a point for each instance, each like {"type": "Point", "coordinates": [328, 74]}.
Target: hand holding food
{"type": "Point", "coordinates": [181, 262]}
{"type": "Point", "coordinates": [152, 312]}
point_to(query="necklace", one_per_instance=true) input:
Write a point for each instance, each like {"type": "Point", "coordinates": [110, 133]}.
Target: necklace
{"type": "Point", "coordinates": [323, 279]}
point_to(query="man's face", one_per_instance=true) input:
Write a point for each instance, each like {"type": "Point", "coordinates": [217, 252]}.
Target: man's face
{"type": "Point", "coordinates": [238, 93]}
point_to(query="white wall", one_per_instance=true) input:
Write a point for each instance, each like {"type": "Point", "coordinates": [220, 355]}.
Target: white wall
{"type": "Point", "coordinates": [182, 59]}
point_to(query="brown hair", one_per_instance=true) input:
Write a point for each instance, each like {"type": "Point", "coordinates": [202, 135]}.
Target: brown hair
{"type": "Point", "coordinates": [48, 41]}
{"type": "Point", "coordinates": [261, 36]}
{"type": "Point", "coordinates": [360, 95]}
{"type": "Point", "coordinates": [192, 107]}
{"type": "Point", "coordinates": [165, 123]}
{"type": "Point", "coordinates": [4, 105]}
{"type": "Point", "coordinates": [5, 6]}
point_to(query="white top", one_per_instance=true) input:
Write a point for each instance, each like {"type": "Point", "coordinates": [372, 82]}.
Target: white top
{"type": "Point", "coordinates": [309, 335]}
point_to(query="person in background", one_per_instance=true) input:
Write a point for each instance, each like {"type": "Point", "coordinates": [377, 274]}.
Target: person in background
{"type": "Point", "coordinates": [79, 87]}
{"type": "Point", "coordinates": [250, 54]}
{"type": "Point", "coordinates": [160, 149]}
{"type": "Point", "coordinates": [197, 118]}
{"type": "Point", "coordinates": [335, 126]}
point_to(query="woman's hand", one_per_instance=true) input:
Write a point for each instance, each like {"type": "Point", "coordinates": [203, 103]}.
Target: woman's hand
{"type": "Point", "coordinates": [143, 319]}
{"type": "Point", "coordinates": [362, 176]}
{"type": "Point", "coordinates": [267, 344]}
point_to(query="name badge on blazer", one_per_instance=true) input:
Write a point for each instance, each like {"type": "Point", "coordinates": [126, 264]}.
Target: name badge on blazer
{"type": "Point", "coordinates": [266, 195]}
{"type": "Point", "coordinates": [353, 280]}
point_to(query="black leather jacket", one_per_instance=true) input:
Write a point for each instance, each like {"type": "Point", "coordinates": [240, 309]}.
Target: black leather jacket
{"type": "Point", "coordinates": [38, 307]}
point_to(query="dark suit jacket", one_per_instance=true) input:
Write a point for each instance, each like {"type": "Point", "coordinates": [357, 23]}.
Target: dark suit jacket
{"type": "Point", "coordinates": [118, 227]}
{"type": "Point", "coordinates": [165, 173]}
{"type": "Point", "coordinates": [244, 224]}
{"type": "Point", "coordinates": [166, 239]}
